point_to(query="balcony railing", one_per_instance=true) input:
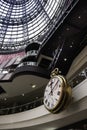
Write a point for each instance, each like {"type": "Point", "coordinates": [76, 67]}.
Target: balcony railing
{"type": "Point", "coordinates": [21, 108]}
{"type": "Point", "coordinates": [82, 75]}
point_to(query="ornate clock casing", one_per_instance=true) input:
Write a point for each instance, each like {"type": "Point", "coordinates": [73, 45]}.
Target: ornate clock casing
{"type": "Point", "coordinates": [57, 93]}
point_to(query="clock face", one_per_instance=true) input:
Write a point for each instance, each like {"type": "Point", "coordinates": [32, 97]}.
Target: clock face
{"type": "Point", "coordinates": [53, 93]}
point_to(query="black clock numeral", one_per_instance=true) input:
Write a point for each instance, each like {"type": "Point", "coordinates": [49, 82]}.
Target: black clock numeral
{"type": "Point", "coordinates": [52, 105]}
{"type": "Point", "coordinates": [56, 99]}
{"type": "Point", "coordinates": [48, 104]}
{"type": "Point", "coordinates": [58, 93]}
{"type": "Point", "coordinates": [46, 101]}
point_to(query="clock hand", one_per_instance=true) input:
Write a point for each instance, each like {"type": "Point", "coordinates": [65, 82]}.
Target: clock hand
{"type": "Point", "coordinates": [55, 85]}
{"type": "Point", "coordinates": [51, 88]}
{"type": "Point", "coordinates": [51, 84]}
{"type": "Point", "coordinates": [51, 92]}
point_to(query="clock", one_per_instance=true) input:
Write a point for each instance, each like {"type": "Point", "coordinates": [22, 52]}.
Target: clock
{"type": "Point", "coordinates": [57, 93]}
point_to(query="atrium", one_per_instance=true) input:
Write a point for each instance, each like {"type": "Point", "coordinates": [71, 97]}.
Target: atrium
{"type": "Point", "coordinates": [38, 38]}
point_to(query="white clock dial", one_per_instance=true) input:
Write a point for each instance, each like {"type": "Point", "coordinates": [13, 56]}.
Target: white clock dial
{"type": "Point", "coordinates": [53, 93]}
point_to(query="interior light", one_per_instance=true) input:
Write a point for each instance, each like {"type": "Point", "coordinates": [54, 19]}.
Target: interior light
{"type": "Point", "coordinates": [65, 59]}
{"type": "Point", "coordinates": [67, 29]}
{"type": "Point", "coordinates": [79, 17]}
{"type": "Point", "coordinates": [71, 46]}
{"type": "Point", "coordinates": [59, 71]}
{"type": "Point", "coordinates": [22, 94]}
{"type": "Point", "coordinates": [5, 99]}
{"type": "Point", "coordinates": [33, 86]}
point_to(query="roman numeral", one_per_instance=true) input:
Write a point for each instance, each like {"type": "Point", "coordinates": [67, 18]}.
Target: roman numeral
{"type": "Point", "coordinates": [58, 93]}
{"type": "Point", "coordinates": [46, 101]}
{"type": "Point", "coordinates": [48, 104]}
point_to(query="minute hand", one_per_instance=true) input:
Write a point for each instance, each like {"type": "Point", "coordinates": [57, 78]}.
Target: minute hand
{"type": "Point", "coordinates": [53, 88]}
{"type": "Point", "coordinates": [55, 85]}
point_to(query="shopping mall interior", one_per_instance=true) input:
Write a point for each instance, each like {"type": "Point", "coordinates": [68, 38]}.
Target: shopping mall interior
{"type": "Point", "coordinates": [43, 43]}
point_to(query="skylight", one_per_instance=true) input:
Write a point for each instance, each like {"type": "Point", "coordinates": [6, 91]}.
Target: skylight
{"type": "Point", "coordinates": [24, 21]}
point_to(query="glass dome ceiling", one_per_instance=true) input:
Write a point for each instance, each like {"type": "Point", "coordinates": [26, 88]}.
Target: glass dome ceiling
{"type": "Point", "coordinates": [24, 21]}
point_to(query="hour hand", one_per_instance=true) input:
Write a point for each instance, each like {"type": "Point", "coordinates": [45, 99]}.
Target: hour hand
{"type": "Point", "coordinates": [52, 89]}
{"type": "Point", "coordinates": [51, 84]}
{"type": "Point", "coordinates": [55, 85]}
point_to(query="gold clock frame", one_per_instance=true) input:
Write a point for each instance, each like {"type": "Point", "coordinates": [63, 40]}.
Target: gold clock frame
{"type": "Point", "coordinates": [66, 93]}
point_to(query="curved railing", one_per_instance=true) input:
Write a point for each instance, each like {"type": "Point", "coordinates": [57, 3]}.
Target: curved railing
{"type": "Point", "coordinates": [81, 76]}
{"type": "Point", "coordinates": [78, 78]}
{"type": "Point", "coordinates": [21, 108]}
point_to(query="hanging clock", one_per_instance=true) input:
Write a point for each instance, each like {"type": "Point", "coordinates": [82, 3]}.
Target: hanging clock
{"type": "Point", "coordinates": [57, 93]}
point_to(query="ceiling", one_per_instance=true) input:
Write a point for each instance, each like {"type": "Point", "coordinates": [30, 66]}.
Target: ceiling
{"type": "Point", "coordinates": [70, 37]}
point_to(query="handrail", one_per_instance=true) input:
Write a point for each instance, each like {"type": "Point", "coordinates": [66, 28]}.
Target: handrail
{"type": "Point", "coordinates": [21, 108]}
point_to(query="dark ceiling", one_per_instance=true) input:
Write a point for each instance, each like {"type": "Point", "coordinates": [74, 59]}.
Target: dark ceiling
{"type": "Point", "coordinates": [72, 35]}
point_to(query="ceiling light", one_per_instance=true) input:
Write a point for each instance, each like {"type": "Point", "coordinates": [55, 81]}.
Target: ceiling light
{"type": "Point", "coordinates": [65, 59]}
{"type": "Point", "coordinates": [79, 17]}
{"type": "Point", "coordinates": [33, 86]}
{"type": "Point", "coordinates": [22, 94]}
{"type": "Point", "coordinates": [70, 46]}
{"type": "Point", "coordinates": [59, 71]}
{"type": "Point", "coordinates": [67, 29]}
{"type": "Point", "coordinates": [5, 99]}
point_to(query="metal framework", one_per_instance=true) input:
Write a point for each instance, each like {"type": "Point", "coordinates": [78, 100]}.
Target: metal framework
{"type": "Point", "coordinates": [24, 21]}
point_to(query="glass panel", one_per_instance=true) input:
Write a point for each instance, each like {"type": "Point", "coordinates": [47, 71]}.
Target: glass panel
{"type": "Point", "coordinates": [26, 20]}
